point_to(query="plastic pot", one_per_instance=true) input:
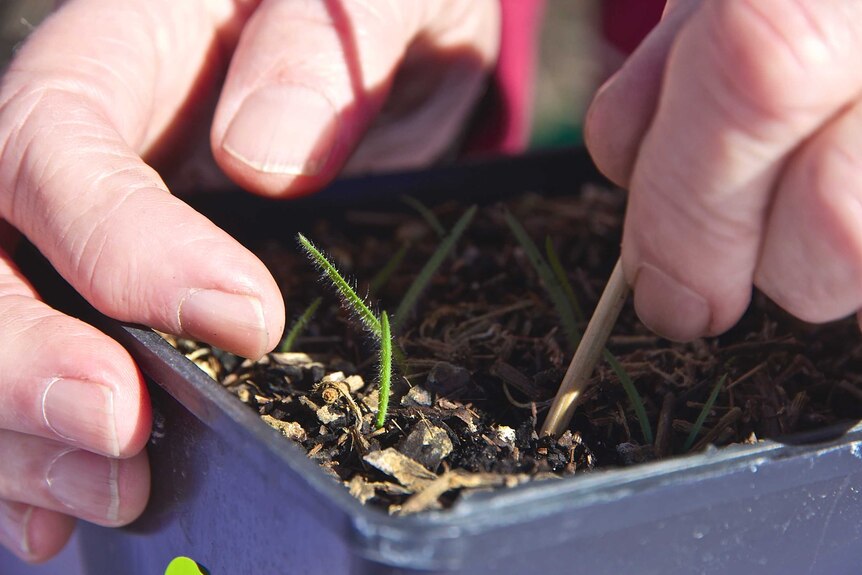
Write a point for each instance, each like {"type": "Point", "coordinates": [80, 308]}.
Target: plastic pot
{"type": "Point", "coordinates": [234, 495]}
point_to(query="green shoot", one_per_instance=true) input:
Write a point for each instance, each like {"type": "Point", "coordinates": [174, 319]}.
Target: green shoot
{"type": "Point", "coordinates": [299, 325]}
{"type": "Point", "coordinates": [385, 374]}
{"type": "Point", "coordinates": [701, 418]}
{"type": "Point", "coordinates": [633, 395]}
{"type": "Point", "coordinates": [348, 294]}
{"type": "Point", "coordinates": [552, 285]}
{"type": "Point", "coordinates": [379, 328]}
{"type": "Point", "coordinates": [429, 216]}
{"type": "Point", "coordinates": [382, 277]}
{"type": "Point", "coordinates": [557, 267]}
{"type": "Point", "coordinates": [563, 298]}
{"type": "Point", "coordinates": [408, 302]}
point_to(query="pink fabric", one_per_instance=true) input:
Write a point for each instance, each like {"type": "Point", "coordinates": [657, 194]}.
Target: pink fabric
{"type": "Point", "coordinates": [626, 22]}
{"type": "Point", "coordinates": [504, 123]}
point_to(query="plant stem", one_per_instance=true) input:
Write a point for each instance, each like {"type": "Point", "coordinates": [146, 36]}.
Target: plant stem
{"type": "Point", "coordinates": [632, 393]}
{"type": "Point", "coordinates": [408, 302]}
{"type": "Point", "coordinates": [552, 285]}
{"type": "Point", "coordinates": [557, 267]}
{"type": "Point", "coordinates": [348, 294]}
{"type": "Point", "coordinates": [385, 374]}
{"type": "Point", "coordinates": [701, 418]}
{"type": "Point", "coordinates": [429, 216]}
{"type": "Point", "coordinates": [299, 325]}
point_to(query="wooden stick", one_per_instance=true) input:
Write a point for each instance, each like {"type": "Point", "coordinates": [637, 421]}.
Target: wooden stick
{"type": "Point", "coordinates": [588, 353]}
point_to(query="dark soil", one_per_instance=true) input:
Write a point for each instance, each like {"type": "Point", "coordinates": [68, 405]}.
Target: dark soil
{"type": "Point", "coordinates": [485, 353]}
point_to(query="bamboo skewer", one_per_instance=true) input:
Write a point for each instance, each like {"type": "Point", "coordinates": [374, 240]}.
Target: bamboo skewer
{"type": "Point", "coordinates": [588, 353]}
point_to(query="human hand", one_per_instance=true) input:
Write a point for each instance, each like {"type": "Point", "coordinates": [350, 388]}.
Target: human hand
{"type": "Point", "coordinates": [102, 91]}
{"type": "Point", "coordinates": [737, 128]}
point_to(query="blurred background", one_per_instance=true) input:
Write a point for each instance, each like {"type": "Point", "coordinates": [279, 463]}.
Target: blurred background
{"type": "Point", "coordinates": [574, 59]}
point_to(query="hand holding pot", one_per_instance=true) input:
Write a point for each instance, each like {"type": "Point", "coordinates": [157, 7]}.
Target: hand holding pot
{"type": "Point", "coordinates": [737, 127]}
{"type": "Point", "coordinates": [102, 92]}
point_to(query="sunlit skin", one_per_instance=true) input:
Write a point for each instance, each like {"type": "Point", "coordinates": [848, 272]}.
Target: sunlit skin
{"type": "Point", "coordinates": [99, 112]}
{"type": "Point", "coordinates": [736, 126]}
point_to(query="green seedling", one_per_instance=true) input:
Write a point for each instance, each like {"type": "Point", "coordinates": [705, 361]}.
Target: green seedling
{"type": "Point", "coordinates": [429, 216]}
{"type": "Point", "coordinates": [633, 395]}
{"type": "Point", "coordinates": [408, 302]}
{"type": "Point", "coordinates": [557, 267]}
{"type": "Point", "coordinates": [707, 407]}
{"type": "Point", "coordinates": [371, 323]}
{"type": "Point", "coordinates": [381, 278]}
{"type": "Point", "coordinates": [563, 298]}
{"type": "Point", "coordinates": [351, 300]}
{"type": "Point", "coordinates": [379, 327]}
{"type": "Point", "coordinates": [299, 325]}
{"type": "Point", "coordinates": [549, 279]}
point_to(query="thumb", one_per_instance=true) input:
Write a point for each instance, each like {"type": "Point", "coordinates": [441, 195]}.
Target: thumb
{"type": "Point", "coordinates": [308, 78]}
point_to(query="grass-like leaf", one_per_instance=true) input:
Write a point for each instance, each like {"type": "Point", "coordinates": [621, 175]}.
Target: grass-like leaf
{"type": "Point", "coordinates": [429, 216]}
{"type": "Point", "coordinates": [382, 277]}
{"type": "Point", "coordinates": [347, 293]}
{"type": "Point", "coordinates": [299, 325]}
{"type": "Point", "coordinates": [701, 418]}
{"type": "Point", "coordinates": [385, 370]}
{"type": "Point", "coordinates": [408, 302]}
{"type": "Point", "coordinates": [633, 395]}
{"type": "Point", "coordinates": [552, 284]}
{"type": "Point", "coordinates": [557, 267]}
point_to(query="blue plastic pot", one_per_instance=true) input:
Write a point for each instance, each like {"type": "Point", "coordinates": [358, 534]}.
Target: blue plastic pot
{"type": "Point", "coordinates": [234, 495]}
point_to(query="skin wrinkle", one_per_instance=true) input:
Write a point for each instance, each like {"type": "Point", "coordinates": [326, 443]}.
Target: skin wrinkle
{"type": "Point", "coordinates": [767, 22]}
{"type": "Point", "coordinates": [92, 249]}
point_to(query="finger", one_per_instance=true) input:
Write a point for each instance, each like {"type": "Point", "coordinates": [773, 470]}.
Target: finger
{"type": "Point", "coordinates": [623, 107]}
{"type": "Point", "coordinates": [32, 533]}
{"type": "Point", "coordinates": [811, 260]}
{"type": "Point", "coordinates": [746, 82]}
{"type": "Point", "coordinates": [308, 78]}
{"type": "Point", "coordinates": [50, 475]}
{"type": "Point", "coordinates": [63, 379]}
{"type": "Point", "coordinates": [75, 185]}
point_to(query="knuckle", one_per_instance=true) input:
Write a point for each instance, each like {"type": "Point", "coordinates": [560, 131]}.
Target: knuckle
{"type": "Point", "coordinates": [770, 54]}
{"type": "Point", "coordinates": [811, 264]}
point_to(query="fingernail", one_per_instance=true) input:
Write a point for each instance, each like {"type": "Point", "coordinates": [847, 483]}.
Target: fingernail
{"type": "Point", "coordinates": [230, 321]}
{"type": "Point", "coordinates": [14, 527]}
{"type": "Point", "coordinates": [82, 412]}
{"type": "Point", "coordinates": [86, 483]}
{"type": "Point", "coordinates": [285, 129]}
{"type": "Point", "coordinates": [669, 308]}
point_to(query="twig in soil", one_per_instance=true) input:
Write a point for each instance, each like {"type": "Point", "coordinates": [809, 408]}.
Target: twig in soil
{"type": "Point", "coordinates": [563, 297]}
{"type": "Point", "coordinates": [408, 302]}
{"type": "Point", "coordinates": [552, 283]}
{"type": "Point", "coordinates": [299, 325]}
{"type": "Point", "coordinates": [578, 375]}
{"type": "Point", "coordinates": [701, 418]}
